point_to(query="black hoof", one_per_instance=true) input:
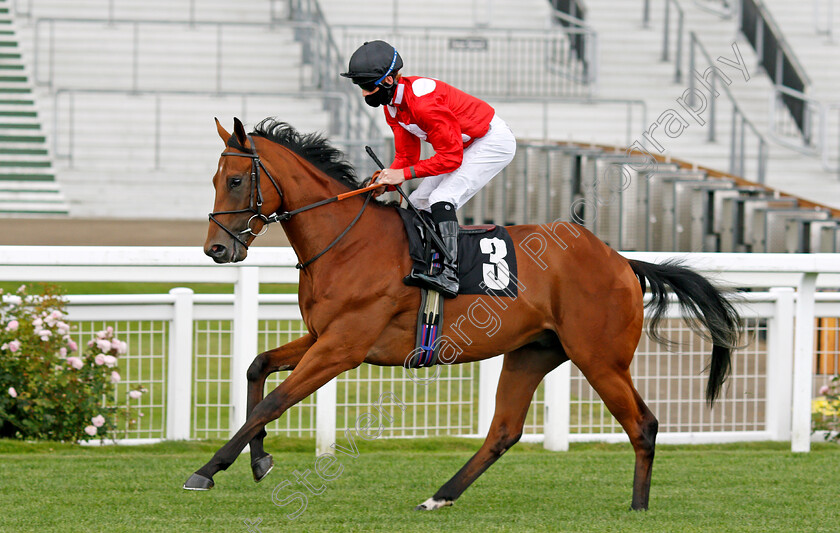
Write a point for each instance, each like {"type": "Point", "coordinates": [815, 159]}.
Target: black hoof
{"type": "Point", "coordinates": [198, 482]}
{"type": "Point", "coordinates": [261, 467]}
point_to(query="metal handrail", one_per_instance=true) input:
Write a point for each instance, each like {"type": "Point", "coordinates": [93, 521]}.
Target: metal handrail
{"type": "Point", "coordinates": [666, 38]}
{"type": "Point", "coordinates": [319, 48]}
{"type": "Point", "coordinates": [807, 147]}
{"type": "Point", "coordinates": [575, 21]}
{"type": "Point", "coordinates": [740, 122]}
{"type": "Point", "coordinates": [346, 125]}
{"type": "Point", "coordinates": [815, 147]}
{"type": "Point", "coordinates": [546, 102]}
{"type": "Point", "coordinates": [782, 43]}
{"type": "Point", "coordinates": [40, 22]}
{"type": "Point", "coordinates": [726, 9]}
{"type": "Point", "coordinates": [548, 66]}
{"type": "Point", "coordinates": [110, 9]}
{"type": "Point", "coordinates": [828, 18]}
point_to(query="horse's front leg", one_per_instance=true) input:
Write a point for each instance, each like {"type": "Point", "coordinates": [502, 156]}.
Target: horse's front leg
{"type": "Point", "coordinates": [285, 357]}
{"type": "Point", "coordinates": [328, 357]}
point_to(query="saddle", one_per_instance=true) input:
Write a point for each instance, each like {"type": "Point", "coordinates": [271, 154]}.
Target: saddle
{"type": "Point", "coordinates": [486, 265]}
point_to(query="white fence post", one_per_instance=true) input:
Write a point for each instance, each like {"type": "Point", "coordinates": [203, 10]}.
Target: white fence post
{"type": "Point", "coordinates": [803, 360]}
{"type": "Point", "coordinates": [325, 417]}
{"type": "Point", "coordinates": [558, 390]}
{"type": "Point", "coordinates": [245, 330]}
{"type": "Point", "coordinates": [780, 364]}
{"type": "Point", "coordinates": [179, 380]}
{"type": "Point", "coordinates": [489, 371]}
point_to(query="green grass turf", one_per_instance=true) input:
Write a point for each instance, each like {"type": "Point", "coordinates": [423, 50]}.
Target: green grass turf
{"type": "Point", "coordinates": [738, 487]}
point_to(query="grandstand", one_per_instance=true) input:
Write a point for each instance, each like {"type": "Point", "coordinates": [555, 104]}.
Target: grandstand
{"type": "Point", "coordinates": [120, 96]}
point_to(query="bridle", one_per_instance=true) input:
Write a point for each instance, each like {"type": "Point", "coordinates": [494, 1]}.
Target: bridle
{"type": "Point", "coordinates": [256, 202]}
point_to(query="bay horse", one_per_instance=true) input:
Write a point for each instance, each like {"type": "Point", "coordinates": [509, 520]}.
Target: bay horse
{"type": "Point", "coordinates": [578, 300]}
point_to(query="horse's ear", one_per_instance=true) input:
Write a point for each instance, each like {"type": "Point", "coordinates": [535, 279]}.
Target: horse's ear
{"type": "Point", "coordinates": [222, 132]}
{"type": "Point", "coordinates": [239, 131]}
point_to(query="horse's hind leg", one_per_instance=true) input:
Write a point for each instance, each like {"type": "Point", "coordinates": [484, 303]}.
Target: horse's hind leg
{"type": "Point", "coordinates": [285, 357]}
{"type": "Point", "coordinates": [521, 374]}
{"type": "Point", "coordinates": [615, 387]}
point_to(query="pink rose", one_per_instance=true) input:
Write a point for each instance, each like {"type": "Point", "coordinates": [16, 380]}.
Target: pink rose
{"type": "Point", "coordinates": [134, 394]}
{"type": "Point", "coordinates": [75, 362]}
{"type": "Point", "coordinates": [14, 346]}
{"type": "Point", "coordinates": [45, 334]}
{"type": "Point", "coordinates": [98, 420]}
{"type": "Point", "coordinates": [56, 315]}
{"type": "Point", "coordinates": [99, 359]}
{"type": "Point", "coordinates": [90, 430]}
{"type": "Point", "coordinates": [121, 346]}
{"type": "Point", "coordinates": [12, 325]}
{"type": "Point", "coordinates": [72, 346]}
{"type": "Point", "coordinates": [115, 377]}
{"type": "Point", "coordinates": [109, 330]}
{"type": "Point", "coordinates": [12, 392]}
{"type": "Point", "coordinates": [103, 345]}
{"type": "Point", "coordinates": [824, 390]}
{"type": "Point", "coordinates": [62, 352]}
{"type": "Point", "coordinates": [110, 361]}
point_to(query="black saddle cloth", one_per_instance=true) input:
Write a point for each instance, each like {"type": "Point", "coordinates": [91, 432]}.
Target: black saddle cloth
{"type": "Point", "coordinates": [486, 256]}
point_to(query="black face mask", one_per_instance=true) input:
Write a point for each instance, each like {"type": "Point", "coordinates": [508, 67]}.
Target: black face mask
{"type": "Point", "coordinates": [381, 97]}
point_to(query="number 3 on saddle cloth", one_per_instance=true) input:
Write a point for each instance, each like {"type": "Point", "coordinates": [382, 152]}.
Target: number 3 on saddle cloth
{"type": "Point", "coordinates": [486, 265]}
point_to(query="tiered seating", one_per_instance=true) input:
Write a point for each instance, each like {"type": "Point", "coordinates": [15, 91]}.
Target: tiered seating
{"type": "Point", "coordinates": [631, 66]}
{"type": "Point", "coordinates": [27, 180]}
{"type": "Point", "coordinates": [133, 89]}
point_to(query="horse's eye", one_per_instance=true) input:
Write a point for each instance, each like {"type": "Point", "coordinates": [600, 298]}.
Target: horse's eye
{"type": "Point", "coordinates": [234, 182]}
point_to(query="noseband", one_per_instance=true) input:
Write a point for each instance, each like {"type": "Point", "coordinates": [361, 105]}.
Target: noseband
{"type": "Point", "coordinates": [256, 202]}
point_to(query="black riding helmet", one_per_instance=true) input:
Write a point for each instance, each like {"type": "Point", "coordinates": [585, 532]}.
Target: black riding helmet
{"type": "Point", "coordinates": [370, 65]}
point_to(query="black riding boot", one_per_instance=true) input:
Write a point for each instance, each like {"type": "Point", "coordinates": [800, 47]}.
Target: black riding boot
{"type": "Point", "coordinates": [446, 280]}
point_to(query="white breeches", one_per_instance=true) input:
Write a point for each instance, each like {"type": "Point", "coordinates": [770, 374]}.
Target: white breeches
{"type": "Point", "coordinates": [483, 159]}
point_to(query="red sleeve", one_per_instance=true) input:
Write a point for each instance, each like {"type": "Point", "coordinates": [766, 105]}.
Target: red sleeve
{"type": "Point", "coordinates": [406, 148]}
{"type": "Point", "coordinates": [444, 134]}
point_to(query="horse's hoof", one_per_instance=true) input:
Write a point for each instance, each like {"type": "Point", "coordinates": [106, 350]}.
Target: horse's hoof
{"type": "Point", "coordinates": [198, 482]}
{"type": "Point", "coordinates": [432, 504]}
{"type": "Point", "coordinates": [261, 467]}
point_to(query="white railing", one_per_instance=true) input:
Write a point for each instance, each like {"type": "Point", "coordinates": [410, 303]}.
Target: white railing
{"type": "Point", "coordinates": [205, 343]}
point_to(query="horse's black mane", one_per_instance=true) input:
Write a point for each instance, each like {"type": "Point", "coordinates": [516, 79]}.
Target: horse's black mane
{"type": "Point", "coordinates": [313, 147]}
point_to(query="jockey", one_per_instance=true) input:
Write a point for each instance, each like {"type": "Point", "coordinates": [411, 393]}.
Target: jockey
{"type": "Point", "coordinates": [471, 143]}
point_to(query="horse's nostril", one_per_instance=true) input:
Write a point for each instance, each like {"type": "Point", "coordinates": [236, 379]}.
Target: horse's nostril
{"type": "Point", "coordinates": [217, 250]}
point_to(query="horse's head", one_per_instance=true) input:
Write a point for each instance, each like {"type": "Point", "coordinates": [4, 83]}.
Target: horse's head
{"type": "Point", "coordinates": [246, 196]}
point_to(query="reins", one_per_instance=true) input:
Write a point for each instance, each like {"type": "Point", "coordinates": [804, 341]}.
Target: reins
{"type": "Point", "coordinates": [256, 202]}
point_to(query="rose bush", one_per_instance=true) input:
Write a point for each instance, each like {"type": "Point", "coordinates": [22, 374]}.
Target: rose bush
{"type": "Point", "coordinates": [827, 411]}
{"type": "Point", "coordinates": [49, 389]}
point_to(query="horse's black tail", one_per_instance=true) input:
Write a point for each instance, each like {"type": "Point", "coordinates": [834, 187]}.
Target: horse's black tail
{"type": "Point", "coordinates": [702, 305]}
